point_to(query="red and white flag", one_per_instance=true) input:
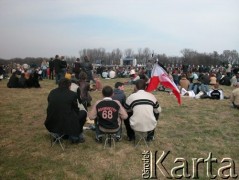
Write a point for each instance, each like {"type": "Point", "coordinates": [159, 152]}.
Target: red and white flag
{"type": "Point", "coordinates": [159, 75]}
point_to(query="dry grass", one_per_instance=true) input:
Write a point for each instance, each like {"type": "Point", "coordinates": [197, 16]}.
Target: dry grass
{"type": "Point", "coordinates": [191, 130]}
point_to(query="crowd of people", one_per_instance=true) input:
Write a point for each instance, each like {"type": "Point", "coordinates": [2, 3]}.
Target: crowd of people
{"type": "Point", "coordinates": [68, 103]}
{"type": "Point", "coordinates": [66, 117]}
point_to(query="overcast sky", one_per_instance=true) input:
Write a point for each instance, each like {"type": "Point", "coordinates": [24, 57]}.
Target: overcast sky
{"type": "Point", "coordinates": [44, 28]}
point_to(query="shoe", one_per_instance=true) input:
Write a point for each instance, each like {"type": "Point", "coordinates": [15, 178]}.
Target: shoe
{"type": "Point", "coordinates": [77, 139]}
{"type": "Point", "coordinates": [65, 137]}
{"type": "Point", "coordinates": [99, 139]}
{"type": "Point", "coordinates": [81, 140]}
{"type": "Point", "coordinates": [150, 138]}
{"type": "Point", "coordinates": [118, 138]}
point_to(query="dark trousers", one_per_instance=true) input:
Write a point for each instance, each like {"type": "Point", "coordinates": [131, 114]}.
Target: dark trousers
{"type": "Point", "coordinates": [82, 119]}
{"type": "Point", "coordinates": [51, 75]}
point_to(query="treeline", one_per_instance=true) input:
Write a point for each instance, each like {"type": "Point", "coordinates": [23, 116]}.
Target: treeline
{"type": "Point", "coordinates": [101, 56]}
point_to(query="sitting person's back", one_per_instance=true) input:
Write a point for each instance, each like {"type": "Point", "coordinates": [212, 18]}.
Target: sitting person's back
{"type": "Point", "coordinates": [213, 79]}
{"type": "Point", "coordinates": [145, 109]}
{"type": "Point", "coordinates": [108, 113]}
{"type": "Point", "coordinates": [225, 80]}
{"type": "Point", "coordinates": [13, 81]}
{"type": "Point", "coordinates": [63, 115]}
{"type": "Point", "coordinates": [184, 82]}
{"type": "Point", "coordinates": [216, 93]}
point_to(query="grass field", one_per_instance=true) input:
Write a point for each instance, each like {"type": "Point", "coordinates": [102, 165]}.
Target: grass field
{"type": "Point", "coordinates": [191, 130]}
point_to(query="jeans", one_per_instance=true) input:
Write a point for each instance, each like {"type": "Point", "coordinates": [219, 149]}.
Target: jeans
{"type": "Point", "coordinates": [204, 88]}
{"type": "Point", "coordinates": [58, 77]}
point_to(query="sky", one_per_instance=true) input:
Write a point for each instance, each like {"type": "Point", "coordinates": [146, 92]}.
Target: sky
{"type": "Point", "coordinates": [44, 28]}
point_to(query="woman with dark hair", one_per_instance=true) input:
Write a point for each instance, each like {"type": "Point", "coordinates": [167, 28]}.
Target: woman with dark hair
{"type": "Point", "coordinates": [84, 89]}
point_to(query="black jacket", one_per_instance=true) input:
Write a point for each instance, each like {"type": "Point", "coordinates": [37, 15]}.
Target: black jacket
{"type": "Point", "coordinates": [63, 114]}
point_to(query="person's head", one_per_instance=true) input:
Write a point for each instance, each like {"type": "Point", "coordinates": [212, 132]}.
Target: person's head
{"type": "Point", "coordinates": [107, 91]}
{"type": "Point", "coordinates": [119, 85]}
{"type": "Point", "coordinates": [86, 59]}
{"type": "Point", "coordinates": [82, 76]}
{"type": "Point", "coordinates": [140, 84]}
{"type": "Point", "coordinates": [57, 56]}
{"type": "Point", "coordinates": [183, 75]}
{"type": "Point", "coordinates": [64, 83]}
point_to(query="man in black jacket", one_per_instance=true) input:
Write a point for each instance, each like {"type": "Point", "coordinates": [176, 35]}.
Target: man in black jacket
{"type": "Point", "coordinates": [57, 68]}
{"type": "Point", "coordinates": [63, 114]}
{"type": "Point", "coordinates": [87, 67]}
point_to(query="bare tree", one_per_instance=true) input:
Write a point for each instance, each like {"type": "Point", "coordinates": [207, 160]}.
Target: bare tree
{"type": "Point", "coordinates": [128, 52]}
{"type": "Point", "coordinates": [231, 57]}
{"type": "Point", "coordinates": [116, 55]}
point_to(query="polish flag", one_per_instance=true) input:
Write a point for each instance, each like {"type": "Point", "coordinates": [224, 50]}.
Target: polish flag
{"type": "Point", "coordinates": [159, 75]}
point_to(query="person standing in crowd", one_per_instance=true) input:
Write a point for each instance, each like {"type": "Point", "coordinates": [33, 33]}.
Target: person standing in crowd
{"type": "Point", "coordinates": [57, 67]}
{"type": "Point", "coordinates": [77, 68]}
{"type": "Point", "coordinates": [63, 66]}
{"type": "Point", "coordinates": [108, 113]}
{"type": "Point", "coordinates": [145, 110]}
{"type": "Point", "coordinates": [87, 67]}
{"type": "Point", "coordinates": [63, 114]}
{"type": "Point", "coordinates": [51, 69]}
{"type": "Point", "coordinates": [44, 67]}
{"type": "Point", "coordinates": [149, 67]}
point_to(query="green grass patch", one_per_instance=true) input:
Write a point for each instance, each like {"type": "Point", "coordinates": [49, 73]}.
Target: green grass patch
{"type": "Point", "coordinates": [191, 130]}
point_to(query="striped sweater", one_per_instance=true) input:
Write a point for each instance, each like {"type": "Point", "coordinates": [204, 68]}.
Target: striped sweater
{"type": "Point", "coordinates": [144, 106]}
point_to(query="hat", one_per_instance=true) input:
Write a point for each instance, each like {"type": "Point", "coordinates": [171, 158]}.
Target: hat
{"type": "Point", "coordinates": [118, 84]}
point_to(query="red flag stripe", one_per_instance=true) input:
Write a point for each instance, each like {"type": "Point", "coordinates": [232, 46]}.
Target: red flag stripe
{"type": "Point", "coordinates": [159, 75]}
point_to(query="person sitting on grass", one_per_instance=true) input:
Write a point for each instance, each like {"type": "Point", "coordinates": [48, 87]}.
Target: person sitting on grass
{"type": "Point", "coordinates": [63, 114]}
{"type": "Point", "coordinates": [108, 114]}
{"type": "Point", "coordinates": [235, 96]}
{"type": "Point", "coordinates": [13, 81]}
{"type": "Point", "coordinates": [119, 95]}
{"type": "Point", "coordinates": [143, 109]}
